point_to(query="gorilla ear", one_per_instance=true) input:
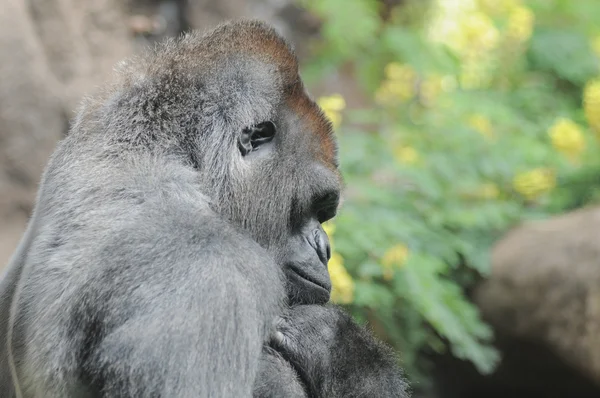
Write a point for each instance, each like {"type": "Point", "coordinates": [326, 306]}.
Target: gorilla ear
{"type": "Point", "coordinates": [253, 137]}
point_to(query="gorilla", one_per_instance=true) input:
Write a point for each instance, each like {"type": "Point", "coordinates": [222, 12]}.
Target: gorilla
{"type": "Point", "coordinates": [176, 247]}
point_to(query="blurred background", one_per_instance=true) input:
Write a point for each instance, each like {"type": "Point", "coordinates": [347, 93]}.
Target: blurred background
{"type": "Point", "coordinates": [469, 132]}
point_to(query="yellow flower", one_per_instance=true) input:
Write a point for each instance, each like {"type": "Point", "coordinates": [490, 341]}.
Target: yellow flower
{"type": "Point", "coordinates": [391, 90]}
{"type": "Point", "coordinates": [332, 107]}
{"type": "Point", "coordinates": [481, 124]}
{"type": "Point", "coordinates": [475, 31]}
{"type": "Point", "coordinates": [567, 138]}
{"type": "Point", "coordinates": [489, 190]}
{"type": "Point", "coordinates": [591, 104]}
{"type": "Point", "coordinates": [463, 27]}
{"type": "Point", "coordinates": [399, 85]}
{"type": "Point", "coordinates": [534, 183]}
{"type": "Point", "coordinates": [334, 117]}
{"type": "Point", "coordinates": [394, 257]}
{"type": "Point", "coordinates": [399, 72]}
{"type": "Point", "coordinates": [406, 154]}
{"type": "Point", "coordinates": [329, 228]}
{"type": "Point", "coordinates": [396, 254]}
{"type": "Point", "coordinates": [520, 23]}
{"type": "Point", "coordinates": [342, 291]}
{"type": "Point", "coordinates": [479, 31]}
{"type": "Point", "coordinates": [334, 102]}
{"type": "Point", "coordinates": [431, 87]}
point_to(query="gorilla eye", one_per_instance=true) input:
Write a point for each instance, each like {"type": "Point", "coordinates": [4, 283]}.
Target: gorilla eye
{"type": "Point", "coordinates": [253, 137]}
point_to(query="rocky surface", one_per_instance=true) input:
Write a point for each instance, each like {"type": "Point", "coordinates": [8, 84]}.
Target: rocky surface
{"type": "Point", "coordinates": [52, 52]}
{"type": "Point", "coordinates": [545, 287]}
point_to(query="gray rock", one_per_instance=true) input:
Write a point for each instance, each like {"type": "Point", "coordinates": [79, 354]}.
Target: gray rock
{"type": "Point", "coordinates": [545, 286]}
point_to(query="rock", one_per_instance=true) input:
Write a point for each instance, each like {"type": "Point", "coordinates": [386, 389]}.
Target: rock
{"type": "Point", "coordinates": [53, 52]}
{"type": "Point", "coordinates": [545, 286]}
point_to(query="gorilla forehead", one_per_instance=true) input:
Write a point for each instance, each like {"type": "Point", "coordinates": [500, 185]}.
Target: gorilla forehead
{"type": "Point", "coordinates": [251, 39]}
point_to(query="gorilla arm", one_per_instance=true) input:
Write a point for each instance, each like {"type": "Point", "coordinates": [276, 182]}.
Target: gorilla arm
{"type": "Point", "coordinates": [8, 285]}
{"type": "Point", "coordinates": [163, 299]}
{"type": "Point", "coordinates": [7, 288]}
{"type": "Point", "coordinates": [277, 377]}
{"type": "Point", "coordinates": [335, 357]}
{"type": "Point", "coordinates": [215, 351]}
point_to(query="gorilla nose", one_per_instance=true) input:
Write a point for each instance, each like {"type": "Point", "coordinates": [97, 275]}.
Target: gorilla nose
{"type": "Point", "coordinates": [321, 245]}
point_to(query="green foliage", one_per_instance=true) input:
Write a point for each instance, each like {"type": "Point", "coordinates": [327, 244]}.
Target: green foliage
{"type": "Point", "coordinates": [553, 51]}
{"type": "Point", "coordinates": [454, 148]}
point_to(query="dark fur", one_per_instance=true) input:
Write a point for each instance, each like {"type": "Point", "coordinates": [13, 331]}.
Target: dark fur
{"type": "Point", "coordinates": [152, 265]}
{"type": "Point", "coordinates": [334, 357]}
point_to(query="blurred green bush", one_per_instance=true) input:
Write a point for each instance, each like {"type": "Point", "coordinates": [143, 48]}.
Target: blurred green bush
{"type": "Point", "coordinates": [481, 114]}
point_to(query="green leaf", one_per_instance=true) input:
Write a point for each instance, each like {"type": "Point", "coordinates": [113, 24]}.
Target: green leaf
{"type": "Point", "coordinates": [566, 53]}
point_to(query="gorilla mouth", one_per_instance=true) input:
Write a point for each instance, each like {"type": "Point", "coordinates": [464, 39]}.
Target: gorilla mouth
{"type": "Point", "coordinates": [309, 278]}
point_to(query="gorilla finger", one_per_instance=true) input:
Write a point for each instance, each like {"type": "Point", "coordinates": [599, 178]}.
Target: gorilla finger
{"type": "Point", "coordinates": [278, 338]}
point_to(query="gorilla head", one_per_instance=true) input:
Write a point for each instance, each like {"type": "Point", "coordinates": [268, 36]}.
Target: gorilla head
{"type": "Point", "coordinates": [232, 105]}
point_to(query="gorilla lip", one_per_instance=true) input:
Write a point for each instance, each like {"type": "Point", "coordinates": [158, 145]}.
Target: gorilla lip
{"type": "Point", "coordinates": [298, 271]}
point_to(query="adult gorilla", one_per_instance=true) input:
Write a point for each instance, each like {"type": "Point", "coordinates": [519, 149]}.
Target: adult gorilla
{"type": "Point", "coordinates": [152, 265]}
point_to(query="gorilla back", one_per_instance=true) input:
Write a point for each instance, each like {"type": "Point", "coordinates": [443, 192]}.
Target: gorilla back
{"type": "Point", "coordinates": [167, 224]}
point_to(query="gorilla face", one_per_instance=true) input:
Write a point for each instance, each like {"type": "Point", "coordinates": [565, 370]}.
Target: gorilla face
{"type": "Point", "coordinates": [300, 150]}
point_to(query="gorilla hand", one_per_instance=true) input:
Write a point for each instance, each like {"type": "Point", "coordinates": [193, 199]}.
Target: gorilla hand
{"type": "Point", "coordinates": [335, 357]}
{"type": "Point", "coordinates": [277, 378]}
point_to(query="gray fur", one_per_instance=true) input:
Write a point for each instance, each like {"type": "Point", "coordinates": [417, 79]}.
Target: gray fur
{"type": "Point", "coordinates": [277, 378]}
{"type": "Point", "coordinates": [335, 357]}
